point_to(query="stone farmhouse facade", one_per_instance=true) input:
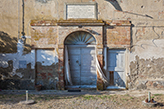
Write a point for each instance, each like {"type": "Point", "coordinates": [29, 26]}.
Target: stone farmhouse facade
{"type": "Point", "coordinates": [101, 44]}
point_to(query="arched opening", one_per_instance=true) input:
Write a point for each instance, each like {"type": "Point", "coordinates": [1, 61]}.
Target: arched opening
{"type": "Point", "coordinates": [80, 38]}
{"type": "Point", "coordinates": [80, 67]}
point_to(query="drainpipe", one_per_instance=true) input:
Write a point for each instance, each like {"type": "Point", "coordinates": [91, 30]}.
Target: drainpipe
{"type": "Point", "coordinates": [18, 19]}
{"type": "Point", "coordinates": [23, 33]}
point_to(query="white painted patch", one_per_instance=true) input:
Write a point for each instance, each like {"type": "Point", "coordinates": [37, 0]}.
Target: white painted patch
{"type": "Point", "coordinates": [32, 59]}
{"type": "Point", "coordinates": [56, 78]}
{"type": "Point", "coordinates": [47, 56]}
{"type": "Point", "coordinates": [19, 74]}
{"type": "Point", "coordinates": [32, 80]}
{"type": "Point", "coordinates": [148, 49]}
{"type": "Point", "coordinates": [4, 64]}
{"type": "Point", "coordinates": [28, 37]}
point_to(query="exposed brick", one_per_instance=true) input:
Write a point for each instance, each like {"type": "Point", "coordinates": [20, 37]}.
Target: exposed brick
{"type": "Point", "coordinates": [43, 75]}
{"type": "Point", "coordinates": [50, 74]}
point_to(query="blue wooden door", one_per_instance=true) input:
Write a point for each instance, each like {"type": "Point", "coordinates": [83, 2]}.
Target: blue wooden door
{"type": "Point", "coordinates": [116, 67]}
{"type": "Point", "coordinates": [82, 65]}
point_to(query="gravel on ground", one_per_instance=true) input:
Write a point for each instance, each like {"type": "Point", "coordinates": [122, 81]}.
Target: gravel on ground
{"type": "Point", "coordinates": [86, 99]}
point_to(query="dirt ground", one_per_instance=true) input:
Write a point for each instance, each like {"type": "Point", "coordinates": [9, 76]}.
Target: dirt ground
{"type": "Point", "coordinates": [81, 100]}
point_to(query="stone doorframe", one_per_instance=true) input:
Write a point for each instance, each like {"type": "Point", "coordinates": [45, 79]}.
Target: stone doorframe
{"type": "Point", "coordinates": [63, 32]}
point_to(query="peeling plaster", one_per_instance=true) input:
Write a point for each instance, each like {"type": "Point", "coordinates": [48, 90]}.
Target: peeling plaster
{"type": "Point", "coordinates": [43, 1]}
{"type": "Point", "coordinates": [146, 73]}
{"type": "Point", "coordinates": [47, 57]}
{"type": "Point", "coordinates": [32, 80]}
{"type": "Point", "coordinates": [29, 58]}
{"type": "Point", "coordinates": [146, 64]}
{"type": "Point", "coordinates": [148, 49]}
{"type": "Point", "coordinates": [19, 74]}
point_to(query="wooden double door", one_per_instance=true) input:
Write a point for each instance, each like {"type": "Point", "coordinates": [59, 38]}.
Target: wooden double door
{"type": "Point", "coordinates": [82, 65]}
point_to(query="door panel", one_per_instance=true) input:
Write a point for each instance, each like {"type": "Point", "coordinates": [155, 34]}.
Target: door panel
{"type": "Point", "coordinates": [74, 59]}
{"type": "Point", "coordinates": [88, 68]}
{"type": "Point", "coordinates": [88, 63]}
{"type": "Point", "coordinates": [88, 50]}
{"type": "Point", "coordinates": [82, 65]}
{"type": "Point", "coordinates": [119, 79]}
{"type": "Point", "coordinates": [116, 64]}
{"type": "Point", "coordinates": [74, 50]}
{"type": "Point", "coordinates": [89, 80]}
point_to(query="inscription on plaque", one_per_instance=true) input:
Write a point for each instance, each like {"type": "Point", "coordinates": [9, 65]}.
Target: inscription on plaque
{"type": "Point", "coordinates": [80, 11]}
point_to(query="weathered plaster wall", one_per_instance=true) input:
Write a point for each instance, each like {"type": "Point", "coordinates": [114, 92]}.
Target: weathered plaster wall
{"type": "Point", "coordinates": [146, 65]}
{"type": "Point", "coordinates": [144, 15]}
{"type": "Point", "coordinates": [44, 37]}
{"type": "Point", "coordinates": [147, 32]}
{"type": "Point", "coordinates": [147, 73]}
{"type": "Point", "coordinates": [17, 75]}
{"type": "Point", "coordinates": [137, 11]}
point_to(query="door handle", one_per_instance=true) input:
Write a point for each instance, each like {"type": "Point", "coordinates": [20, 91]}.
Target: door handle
{"type": "Point", "coordinates": [78, 63]}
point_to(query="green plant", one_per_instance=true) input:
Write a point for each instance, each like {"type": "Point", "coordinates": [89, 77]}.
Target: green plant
{"type": "Point", "coordinates": [124, 99]}
{"type": "Point", "coordinates": [157, 94]}
{"type": "Point", "coordinates": [131, 98]}
{"type": "Point", "coordinates": [88, 97]}
{"type": "Point", "coordinates": [103, 97]}
{"type": "Point", "coordinates": [109, 96]}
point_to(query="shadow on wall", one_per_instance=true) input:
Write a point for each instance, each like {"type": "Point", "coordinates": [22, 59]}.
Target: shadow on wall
{"type": "Point", "coordinates": [118, 7]}
{"type": "Point", "coordinates": [12, 82]}
{"type": "Point", "coordinates": [7, 43]}
{"type": "Point", "coordinates": [118, 81]}
{"type": "Point", "coordinates": [115, 4]}
{"type": "Point", "coordinates": [5, 71]}
{"type": "Point", "coordinates": [42, 1]}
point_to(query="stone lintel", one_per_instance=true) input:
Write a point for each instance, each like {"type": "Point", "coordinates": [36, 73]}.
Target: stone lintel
{"type": "Point", "coordinates": [118, 46]}
{"type": "Point", "coordinates": [118, 23]}
{"type": "Point", "coordinates": [43, 48]}
{"type": "Point", "coordinates": [43, 22]}
{"type": "Point", "coordinates": [77, 22]}
{"type": "Point", "coordinates": [68, 22]}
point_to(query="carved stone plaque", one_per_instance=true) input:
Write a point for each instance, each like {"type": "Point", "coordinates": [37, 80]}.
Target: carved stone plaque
{"type": "Point", "coordinates": [80, 11]}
